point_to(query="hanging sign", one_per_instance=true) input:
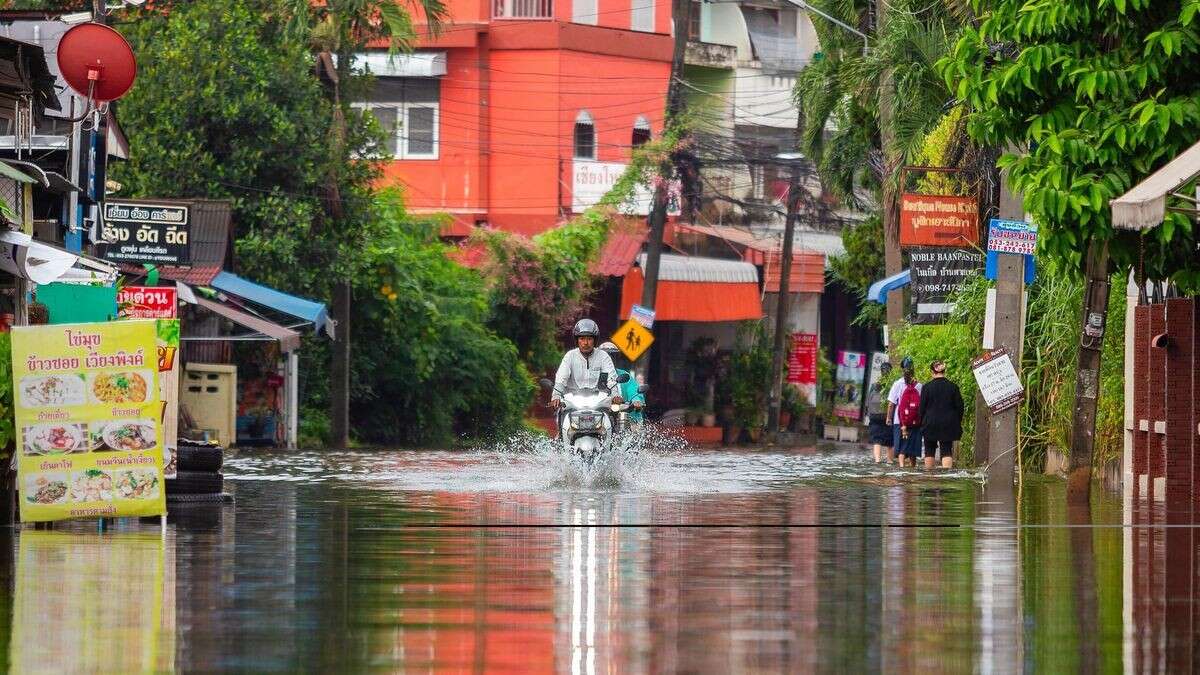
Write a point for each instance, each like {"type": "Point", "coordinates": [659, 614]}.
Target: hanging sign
{"type": "Point", "coordinates": [138, 233]}
{"type": "Point", "coordinates": [998, 381]}
{"type": "Point", "coordinates": [938, 220]}
{"type": "Point", "coordinates": [88, 420]}
{"type": "Point", "coordinates": [632, 339]}
{"type": "Point", "coordinates": [1012, 236]}
{"type": "Point", "coordinates": [936, 273]}
{"type": "Point", "coordinates": [851, 371]}
{"type": "Point", "coordinates": [147, 302]}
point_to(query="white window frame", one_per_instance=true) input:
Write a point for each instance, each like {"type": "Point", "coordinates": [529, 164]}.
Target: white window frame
{"type": "Point", "coordinates": [584, 117]}
{"type": "Point", "coordinates": [399, 145]}
{"type": "Point", "coordinates": [645, 10]}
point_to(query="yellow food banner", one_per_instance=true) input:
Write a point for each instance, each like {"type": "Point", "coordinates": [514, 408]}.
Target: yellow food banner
{"type": "Point", "coordinates": [88, 420]}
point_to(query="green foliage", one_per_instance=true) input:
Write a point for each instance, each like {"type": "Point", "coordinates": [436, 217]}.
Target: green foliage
{"type": "Point", "coordinates": [1092, 96]}
{"type": "Point", "coordinates": [750, 374]}
{"type": "Point", "coordinates": [428, 370]}
{"type": "Point", "coordinates": [860, 266]}
{"type": "Point", "coordinates": [7, 429]}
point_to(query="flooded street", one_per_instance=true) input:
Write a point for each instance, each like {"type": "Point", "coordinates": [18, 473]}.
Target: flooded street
{"type": "Point", "coordinates": [675, 561]}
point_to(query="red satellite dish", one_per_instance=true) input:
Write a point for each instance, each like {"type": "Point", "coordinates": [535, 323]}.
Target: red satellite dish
{"type": "Point", "coordinates": [96, 61]}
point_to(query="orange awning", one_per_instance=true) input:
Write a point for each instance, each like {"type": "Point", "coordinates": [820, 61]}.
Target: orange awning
{"type": "Point", "coordinates": [691, 290]}
{"type": "Point", "coordinates": [808, 272]}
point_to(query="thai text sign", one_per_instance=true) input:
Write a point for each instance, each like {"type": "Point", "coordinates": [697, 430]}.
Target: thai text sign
{"type": "Point", "coordinates": [936, 273]}
{"type": "Point", "coordinates": [146, 233]}
{"type": "Point", "coordinates": [938, 220]}
{"type": "Point", "coordinates": [147, 302]}
{"type": "Point", "coordinates": [802, 362]}
{"type": "Point", "coordinates": [998, 381]}
{"type": "Point", "coordinates": [851, 372]}
{"type": "Point", "coordinates": [591, 180]}
{"type": "Point", "coordinates": [1012, 236]}
{"type": "Point", "coordinates": [88, 420]}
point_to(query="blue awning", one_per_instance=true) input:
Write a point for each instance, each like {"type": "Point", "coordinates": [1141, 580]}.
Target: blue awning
{"type": "Point", "coordinates": [880, 289]}
{"type": "Point", "coordinates": [312, 312]}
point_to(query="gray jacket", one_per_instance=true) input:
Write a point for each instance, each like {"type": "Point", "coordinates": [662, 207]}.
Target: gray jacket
{"type": "Point", "coordinates": [583, 372]}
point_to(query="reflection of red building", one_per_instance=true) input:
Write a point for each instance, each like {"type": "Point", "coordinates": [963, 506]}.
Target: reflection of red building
{"type": "Point", "coordinates": [520, 109]}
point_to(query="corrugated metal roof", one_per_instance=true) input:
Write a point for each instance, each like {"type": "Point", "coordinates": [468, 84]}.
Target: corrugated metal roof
{"type": "Point", "coordinates": [808, 272]}
{"type": "Point", "coordinates": [697, 269]}
{"type": "Point", "coordinates": [618, 253]}
{"type": "Point", "coordinates": [209, 233]}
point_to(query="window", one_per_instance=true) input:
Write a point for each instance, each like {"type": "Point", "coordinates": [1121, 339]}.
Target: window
{"type": "Point", "coordinates": [585, 136]}
{"type": "Point", "coordinates": [694, 21]}
{"type": "Point", "coordinates": [408, 110]}
{"type": "Point", "coordinates": [641, 132]}
{"type": "Point", "coordinates": [584, 11]}
{"type": "Point", "coordinates": [641, 15]}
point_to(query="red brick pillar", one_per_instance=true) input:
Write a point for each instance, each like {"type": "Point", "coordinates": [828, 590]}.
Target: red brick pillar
{"type": "Point", "coordinates": [1156, 400]}
{"type": "Point", "coordinates": [1181, 429]}
{"type": "Point", "coordinates": [1141, 390]}
{"type": "Point", "coordinates": [1178, 403]}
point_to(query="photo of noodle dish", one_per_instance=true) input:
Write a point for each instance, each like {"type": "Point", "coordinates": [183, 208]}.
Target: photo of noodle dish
{"type": "Point", "coordinates": [137, 484]}
{"type": "Point", "coordinates": [92, 485]}
{"type": "Point", "coordinates": [131, 435]}
{"type": "Point", "coordinates": [42, 391]}
{"type": "Point", "coordinates": [55, 439]}
{"type": "Point", "coordinates": [46, 488]}
{"type": "Point", "coordinates": [127, 387]}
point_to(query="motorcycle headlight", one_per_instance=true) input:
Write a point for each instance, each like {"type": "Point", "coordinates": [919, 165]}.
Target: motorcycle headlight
{"type": "Point", "coordinates": [585, 420]}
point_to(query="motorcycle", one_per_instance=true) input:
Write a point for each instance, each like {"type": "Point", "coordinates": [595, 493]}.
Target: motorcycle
{"type": "Point", "coordinates": [589, 420]}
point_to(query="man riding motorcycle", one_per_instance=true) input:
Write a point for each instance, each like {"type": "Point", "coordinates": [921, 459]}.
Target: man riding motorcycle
{"type": "Point", "coordinates": [629, 388]}
{"type": "Point", "coordinates": [582, 367]}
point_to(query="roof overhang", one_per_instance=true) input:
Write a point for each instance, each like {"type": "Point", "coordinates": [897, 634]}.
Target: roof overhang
{"type": "Point", "coordinates": [44, 264]}
{"type": "Point", "coordinates": [261, 329]}
{"type": "Point", "coordinates": [1145, 205]}
{"type": "Point", "coordinates": [879, 290]}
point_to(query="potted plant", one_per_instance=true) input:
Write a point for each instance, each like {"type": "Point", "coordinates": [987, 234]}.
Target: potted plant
{"type": "Point", "coordinates": [750, 375]}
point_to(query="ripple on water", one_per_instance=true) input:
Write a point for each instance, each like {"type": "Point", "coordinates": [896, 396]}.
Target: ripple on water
{"type": "Point", "coordinates": [651, 459]}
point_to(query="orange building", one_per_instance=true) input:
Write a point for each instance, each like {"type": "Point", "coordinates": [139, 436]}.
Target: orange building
{"type": "Point", "coordinates": [522, 112]}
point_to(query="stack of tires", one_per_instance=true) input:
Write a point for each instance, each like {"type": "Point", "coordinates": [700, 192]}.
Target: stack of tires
{"type": "Point", "coordinates": [199, 478]}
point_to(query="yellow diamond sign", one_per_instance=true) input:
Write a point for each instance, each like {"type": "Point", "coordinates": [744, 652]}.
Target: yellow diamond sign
{"type": "Point", "coordinates": [633, 339]}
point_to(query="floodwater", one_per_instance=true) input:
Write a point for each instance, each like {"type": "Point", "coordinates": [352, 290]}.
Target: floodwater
{"type": "Point", "coordinates": [676, 560]}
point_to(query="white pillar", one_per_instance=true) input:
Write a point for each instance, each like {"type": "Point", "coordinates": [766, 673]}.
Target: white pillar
{"type": "Point", "coordinates": [292, 387]}
{"type": "Point", "coordinates": [1127, 477]}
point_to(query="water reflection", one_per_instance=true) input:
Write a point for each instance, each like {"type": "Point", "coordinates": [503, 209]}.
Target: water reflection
{"type": "Point", "coordinates": [712, 572]}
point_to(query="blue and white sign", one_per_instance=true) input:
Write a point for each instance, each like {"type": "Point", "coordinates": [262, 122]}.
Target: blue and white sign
{"type": "Point", "coordinates": [1012, 236]}
{"type": "Point", "coordinates": [642, 315]}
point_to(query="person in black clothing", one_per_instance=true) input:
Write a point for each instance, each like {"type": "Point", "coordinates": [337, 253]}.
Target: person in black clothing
{"type": "Point", "coordinates": [941, 416]}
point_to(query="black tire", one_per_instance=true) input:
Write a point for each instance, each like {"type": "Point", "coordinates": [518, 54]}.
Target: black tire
{"type": "Point", "coordinates": [199, 458]}
{"type": "Point", "coordinates": [212, 497]}
{"type": "Point", "coordinates": [195, 483]}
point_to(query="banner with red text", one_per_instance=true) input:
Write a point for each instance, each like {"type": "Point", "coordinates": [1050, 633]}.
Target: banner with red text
{"type": "Point", "coordinates": [147, 302]}
{"type": "Point", "coordinates": [88, 420]}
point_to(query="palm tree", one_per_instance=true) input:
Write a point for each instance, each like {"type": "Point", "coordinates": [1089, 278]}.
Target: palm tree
{"type": "Point", "coordinates": [336, 30]}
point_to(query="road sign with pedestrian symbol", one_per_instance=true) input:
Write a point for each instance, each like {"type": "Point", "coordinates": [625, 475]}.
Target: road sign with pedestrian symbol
{"type": "Point", "coordinates": [632, 339]}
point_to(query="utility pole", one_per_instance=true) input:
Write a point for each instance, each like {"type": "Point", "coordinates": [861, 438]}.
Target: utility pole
{"type": "Point", "coordinates": [892, 261]}
{"type": "Point", "coordinates": [784, 298]}
{"type": "Point", "coordinates": [1087, 382]}
{"type": "Point", "coordinates": [681, 15]}
{"type": "Point", "coordinates": [1008, 331]}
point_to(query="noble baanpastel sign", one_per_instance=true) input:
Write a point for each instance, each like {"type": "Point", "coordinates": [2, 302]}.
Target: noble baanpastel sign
{"type": "Point", "coordinates": [140, 233]}
{"type": "Point", "coordinates": [936, 273]}
{"type": "Point", "coordinates": [88, 420]}
{"type": "Point", "coordinates": [938, 220]}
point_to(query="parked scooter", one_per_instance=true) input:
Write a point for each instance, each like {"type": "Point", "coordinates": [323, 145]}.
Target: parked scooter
{"type": "Point", "coordinates": [589, 420]}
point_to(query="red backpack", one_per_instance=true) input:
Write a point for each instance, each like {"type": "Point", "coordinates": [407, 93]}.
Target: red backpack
{"type": "Point", "coordinates": [910, 406]}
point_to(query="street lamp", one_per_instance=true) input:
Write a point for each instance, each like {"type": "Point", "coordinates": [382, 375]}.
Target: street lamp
{"type": "Point", "coordinates": [838, 22]}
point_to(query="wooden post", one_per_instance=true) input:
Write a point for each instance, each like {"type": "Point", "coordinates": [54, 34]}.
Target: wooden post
{"type": "Point", "coordinates": [1087, 382]}
{"type": "Point", "coordinates": [784, 299]}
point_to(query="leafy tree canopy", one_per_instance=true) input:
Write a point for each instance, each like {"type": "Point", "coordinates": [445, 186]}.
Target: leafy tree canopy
{"type": "Point", "coordinates": [1090, 96]}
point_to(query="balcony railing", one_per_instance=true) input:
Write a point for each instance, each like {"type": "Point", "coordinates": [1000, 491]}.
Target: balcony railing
{"type": "Point", "coordinates": [523, 9]}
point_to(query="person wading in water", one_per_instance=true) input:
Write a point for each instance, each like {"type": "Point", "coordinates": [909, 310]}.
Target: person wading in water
{"type": "Point", "coordinates": [879, 425]}
{"type": "Point", "coordinates": [941, 416]}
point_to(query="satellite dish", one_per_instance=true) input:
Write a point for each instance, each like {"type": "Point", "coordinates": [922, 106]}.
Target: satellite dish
{"type": "Point", "coordinates": [96, 62]}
